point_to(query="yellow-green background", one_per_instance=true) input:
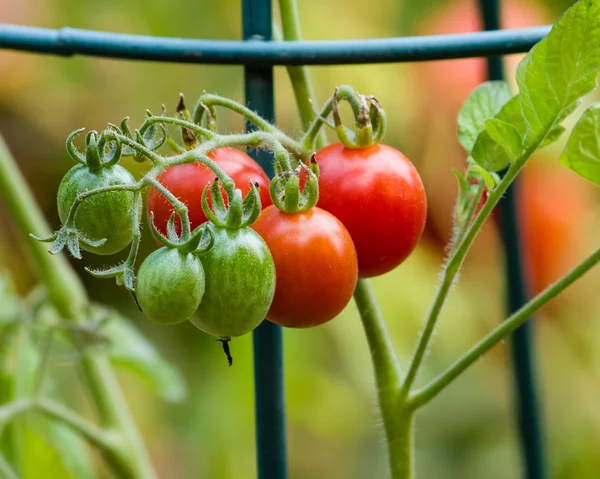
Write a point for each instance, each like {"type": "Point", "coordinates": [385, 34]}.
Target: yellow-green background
{"type": "Point", "coordinates": [333, 426]}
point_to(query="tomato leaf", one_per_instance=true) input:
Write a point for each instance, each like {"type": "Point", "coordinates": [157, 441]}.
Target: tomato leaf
{"type": "Point", "coordinates": [463, 186]}
{"type": "Point", "coordinates": [488, 178]}
{"type": "Point", "coordinates": [490, 149]}
{"type": "Point", "coordinates": [559, 70]}
{"type": "Point", "coordinates": [128, 348]}
{"type": "Point", "coordinates": [506, 135]}
{"type": "Point", "coordinates": [489, 154]}
{"type": "Point", "coordinates": [553, 136]}
{"type": "Point", "coordinates": [582, 152]}
{"type": "Point", "coordinates": [69, 451]}
{"type": "Point", "coordinates": [483, 103]}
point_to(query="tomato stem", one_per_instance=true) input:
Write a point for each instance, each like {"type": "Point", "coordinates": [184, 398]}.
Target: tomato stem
{"type": "Point", "coordinates": [299, 75]}
{"type": "Point", "coordinates": [464, 220]}
{"type": "Point", "coordinates": [208, 101]}
{"type": "Point", "coordinates": [385, 362]}
{"type": "Point", "coordinates": [505, 328]}
{"type": "Point", "coordinates": [69, 297]}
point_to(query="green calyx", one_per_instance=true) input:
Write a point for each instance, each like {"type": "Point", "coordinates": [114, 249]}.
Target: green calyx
{"type": "Point", "coordinates": [101, 151]}
{"type": "Point", "coordinates": [240, 213]}
{"type": "Point", "coordinates": [370, 120]}
{"type": "Point", "coordinates": [200, 240]}
{"type": "Point", "coordinates": [287, 192]}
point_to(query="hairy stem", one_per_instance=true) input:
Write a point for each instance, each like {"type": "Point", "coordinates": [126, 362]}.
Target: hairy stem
{"type": "Point", "coordinates": [211, 100]}
{"type": "Point", "coordinates": [96, 436]}
{"type": "Point", "coordinates": [385, 362]}
{"type": "Point", "coordinates": [397, 417]}
{"type": "Point", "coordinates": [69, 297]}
{"type": "Point", "coordinates": [451, 269]}
{"type": "Point", "coordinates": [5, 470]}
{"type": "Point", "coordinates": [503, 330]}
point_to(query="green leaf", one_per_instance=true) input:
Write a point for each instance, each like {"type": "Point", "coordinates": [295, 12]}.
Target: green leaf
{"type": "Point", "coordinates": [40, 458]}
{"type": "Point", "coordinates": [483, 103]}
{"type": "Point", "coordinates": [490, 181]}
{"type": "Point", "coordinates": [70, 448]}
{"type": "Point", "coordinates": [559, 70]}
{"type": "Point", "coordinates": [128, 348]}
{"type": "Point", "coordinates": [489, 154]}
{"type": "Point", "coordinates": [463, 186]}
{"type": "Point", "coordinates": [553, 136]}
{"type": "Point", "coordinates": [11, 304]}
{"type": "Point", "coordinates": [582, 152]}
{"type": "Point", "coordinates": [506, 135]}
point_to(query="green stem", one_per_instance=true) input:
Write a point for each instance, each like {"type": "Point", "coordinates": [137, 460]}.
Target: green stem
{"type": "Point", "coordinates": [399, 428]}
{"type": "Point", "coordinates": [65, 290]}
{"type": "Point", "coordinates": [70, 299]}
{"type": "Point", "coordinates": [453, 266]}
{"type": "Point", "coordinates": [385, 362]}
{"type": "Point", "coordinates": [96, 436]}
{"type": "Point", "coordinates": [397, 417]}
{"type": "Point", "coordinates": [517, 319]}
{"type": "Point", "coordinates": [5, 470]}
{"type": "Point", "coordinates": [311, 134]}
{"type": "Point", "coordinates": [211, 100]}
{"type": "Point", "coordinates": [470, 213]}
{"type": "Point", "coordinates": [299, 75]}
{"type": "Point", "coordinates": [180, 207]}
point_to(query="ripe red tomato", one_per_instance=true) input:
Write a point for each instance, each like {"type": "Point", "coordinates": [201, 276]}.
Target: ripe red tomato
{"type": "Point", "coordinates": [378, 195]}
{"type": "Point", "coordinates": [186, 182]}
{"type": "Point", "coordinates": [315, 265]}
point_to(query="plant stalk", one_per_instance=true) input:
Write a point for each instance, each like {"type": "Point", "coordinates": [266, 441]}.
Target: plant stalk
{"type": "Point", "coordinates": [503, 330]}
{"type": "Point", "coordinates": [299, 75]}
{"type": "Point", "coordinates": [453, 266]}
{"type": "Point", "coordinates": [69, 297]}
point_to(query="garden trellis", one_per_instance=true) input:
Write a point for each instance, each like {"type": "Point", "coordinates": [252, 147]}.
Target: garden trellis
{"type": "Point", "coordinates": [258, 53]}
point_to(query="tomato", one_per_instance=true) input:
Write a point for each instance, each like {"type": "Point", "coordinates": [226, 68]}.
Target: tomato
{"type": "Point", "coordinates": [240, 283]}
{"type": "Point", "coordinates": [377, 194]}
{"type": "Point", "coordinates": [170, 285]}
{"type": "Point", "coordinates": [315, 262]}
{"type": "Point", "coordinates": [186, 182]}
{"type": "Point", "coordinates": [104, 215]}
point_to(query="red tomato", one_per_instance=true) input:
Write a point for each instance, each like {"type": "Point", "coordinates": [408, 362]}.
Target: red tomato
{"type": "Point", "coordinates": [315, 265]}
{"type": "Point", "coordinates": [187, 182]}
{"type": "Point", "coordinates": [377, 194]}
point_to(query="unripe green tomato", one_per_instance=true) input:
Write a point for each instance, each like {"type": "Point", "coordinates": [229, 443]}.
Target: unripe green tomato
{"type": "Point", "coordinates": [240, 283]}
{"type": "Point", "coordinates": [170, 285]}
{"type": "Point", "coordinates": [103, 215]}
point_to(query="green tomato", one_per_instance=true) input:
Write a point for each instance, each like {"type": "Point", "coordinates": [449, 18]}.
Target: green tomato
{"type": "Point", "coordinates": [170, 285]}
{"type": "Point", "coordinates": [240, 283]}
{"type": "Point", "coordinates": [104, 215]}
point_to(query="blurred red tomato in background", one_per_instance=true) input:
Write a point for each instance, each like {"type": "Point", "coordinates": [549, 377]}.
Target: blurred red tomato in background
{"type": "Point", "coordinates": [554, 202]}
{"type": "Point", "coordinates": [556, 210]}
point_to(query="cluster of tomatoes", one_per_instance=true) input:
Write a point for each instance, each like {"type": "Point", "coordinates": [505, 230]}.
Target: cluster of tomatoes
{"type": "Point", "coordinates": [290, 250]}
{"type": "Point", "coordinates": [370, 215]}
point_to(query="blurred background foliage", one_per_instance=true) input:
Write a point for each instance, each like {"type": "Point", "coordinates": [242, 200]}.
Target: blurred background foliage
{"type": "Point", "coordinates": [334, 432]}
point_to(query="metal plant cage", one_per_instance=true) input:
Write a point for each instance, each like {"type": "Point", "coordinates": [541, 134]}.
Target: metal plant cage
{"type": "Point", "coordinates": [258, 54]}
